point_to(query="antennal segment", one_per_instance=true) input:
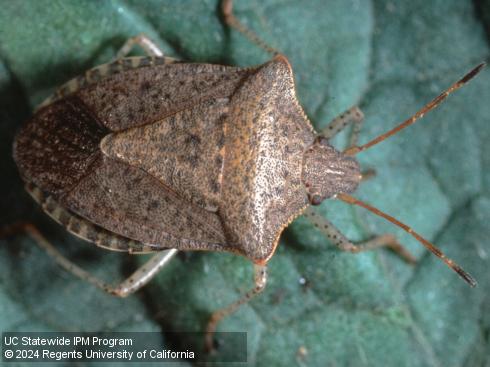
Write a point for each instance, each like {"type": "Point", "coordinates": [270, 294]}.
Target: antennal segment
{"type": "Point", "coordinates": [463, 274]}
{"type": "Point", "coordinates": [419, 114]}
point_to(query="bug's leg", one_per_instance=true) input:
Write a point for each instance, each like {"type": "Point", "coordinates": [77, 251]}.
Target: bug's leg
{"type": "Point", "coordinates": [144, 42]}
{"type": "Point", "coordinates": [115, 66]}
{"type": "Point", "coordinates": [334, 235]}
{"type": "Point", "coordinates": [134, 282]}
{"type": "Point", "coordinates": [352, 116]}
{"type": "Point", "coordinates": [260, 279]}
{"type": "Point", "coordinates": [143, 274]}
{"type": "Point", "coordinates": [233, 22]}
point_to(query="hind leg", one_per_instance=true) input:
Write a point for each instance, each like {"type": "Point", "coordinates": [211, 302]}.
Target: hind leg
{"type": "Point", "coordinates": [260, 281]}
{"type": "Point", "coordinates": [337, 238]}
{"type": "Point", "coordinates": [130, 285]}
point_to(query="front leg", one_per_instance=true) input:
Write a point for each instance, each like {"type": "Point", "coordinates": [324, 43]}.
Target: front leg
{"type": "Point", "coordinates": [233, 22]}
{"type": "Point", "coordinates": [352, 116]}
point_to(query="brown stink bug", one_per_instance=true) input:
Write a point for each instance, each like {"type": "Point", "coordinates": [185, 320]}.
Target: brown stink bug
{"type": "Point", "coordinates": [149, 154]}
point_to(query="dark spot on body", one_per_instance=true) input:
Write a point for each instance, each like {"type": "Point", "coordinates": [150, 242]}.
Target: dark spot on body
{"type": "Point", "coordinates": [219, 161]}
{"type": "Point", "coordinates": [91, 233]}
{"type": "Point", "coordinates": [64, 217]}
{"type": "Point", "coordinates": [136, 180]}
{"type": "Point", "coordinates": [104, 239]}
{"type": "Point", "coordinates": [192, 139]}
{"type": "Point", "coordinates": [145, 86]}
{"type": "Point", "coordinates": [50, 206]}
{"type": "Point", "coordinates": [127, 64]}
{"type": "Point", "coordinates": [122, 243]}
{"type": "Point", "coordinates": [193, 160]}
{"type": "Point", "coordinates": [279, 191]}
{"type": "Point", "coordinates": [159, 60]}
{"type": "Point", "coordinates": [154, 204]}
{"type": "Point", "coordinates": [138, 246]}
{"type": "Point", "coordinates": [221, 141]}
{"type": "Point", "coordinates": [145, 61]}
{"type": "Point", "coordinates": [215, 187]}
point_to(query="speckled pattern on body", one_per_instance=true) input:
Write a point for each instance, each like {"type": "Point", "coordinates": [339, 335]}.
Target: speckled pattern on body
{"type": "Point", "coordinates": [176, 155]}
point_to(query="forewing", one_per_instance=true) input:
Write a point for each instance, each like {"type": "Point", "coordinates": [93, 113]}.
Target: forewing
{"type": "Point", "coordinates": [112, 194]}
{"type": "Point", "coordinates": [183, 151]}
{"type": "Point", "coordinates": [58, 146]}
{"type": "Point", "coordinates": [141, 96]}
{"type": "Point", "coordinates": [128, 201]}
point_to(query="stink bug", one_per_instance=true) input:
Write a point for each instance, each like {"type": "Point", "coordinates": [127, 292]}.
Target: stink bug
{"type": "Point", "coordinates": [153, 155]}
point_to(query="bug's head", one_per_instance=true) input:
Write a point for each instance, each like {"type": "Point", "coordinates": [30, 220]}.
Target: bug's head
{"type": "Point", "coordinates": [327, 172]}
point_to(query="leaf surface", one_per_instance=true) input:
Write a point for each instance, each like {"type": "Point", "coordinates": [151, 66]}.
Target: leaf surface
{"type": "Point", "coordinates": [321, 306]}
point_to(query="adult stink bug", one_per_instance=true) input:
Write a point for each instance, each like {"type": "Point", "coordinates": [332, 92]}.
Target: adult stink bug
{"type": "Point", "coordinates": [148, 154]}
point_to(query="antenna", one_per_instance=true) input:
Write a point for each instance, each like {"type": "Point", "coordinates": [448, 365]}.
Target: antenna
{"type": "Point", "coordinates": [419, 114]}
{"type": "Point", "coordinates": [463, 274]}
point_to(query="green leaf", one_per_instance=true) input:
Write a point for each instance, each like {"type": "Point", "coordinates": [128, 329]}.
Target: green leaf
{"type": "Point", "coordinates": [321, 306]}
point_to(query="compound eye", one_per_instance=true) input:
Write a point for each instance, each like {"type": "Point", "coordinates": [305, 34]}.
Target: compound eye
{"type": "Point", "coordinates": [322, 140]}
{"type": "Point", "coordinates": [315, 199]}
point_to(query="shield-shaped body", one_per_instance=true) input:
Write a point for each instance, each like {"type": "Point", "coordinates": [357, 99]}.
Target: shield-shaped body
{"type": "Point", "coordinates": [171, 155]}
